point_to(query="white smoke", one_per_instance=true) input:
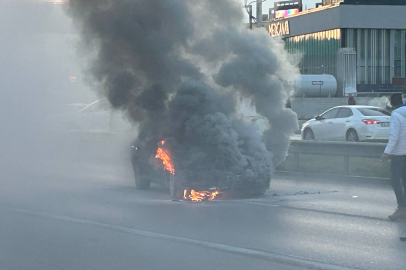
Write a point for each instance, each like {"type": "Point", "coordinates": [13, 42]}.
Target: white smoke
{"type": "Point", "coordinates": [381, 102]}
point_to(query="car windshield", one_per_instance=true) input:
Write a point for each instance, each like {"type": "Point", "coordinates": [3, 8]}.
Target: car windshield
{"type": "Point", "coordinates": [330, 114]}
{"type": "Point", "coordinates": [373, 112]}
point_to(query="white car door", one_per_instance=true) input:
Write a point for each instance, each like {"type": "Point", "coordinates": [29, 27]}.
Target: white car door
{"type": "Point", "coordinates": [322, 129]}
{"type": "Point", "coordinates": [341, 124]}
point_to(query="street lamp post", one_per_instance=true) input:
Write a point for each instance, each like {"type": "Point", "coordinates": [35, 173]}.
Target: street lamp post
{"type": "Point", "coordinates": [259, 12]}
{"type": "Point", "coordinates": [250, 14]}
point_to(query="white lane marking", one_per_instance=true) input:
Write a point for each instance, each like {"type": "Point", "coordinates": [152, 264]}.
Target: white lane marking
{"type": "Point", "coordinates": [258, 203]}
{"type": "Point", "coordinates": [315, 210]}
{"type": "Point", "coordinates": [231, 249]}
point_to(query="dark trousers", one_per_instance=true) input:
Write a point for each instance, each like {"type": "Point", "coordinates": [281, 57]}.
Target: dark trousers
{"type": "Point", "coordinates": [398, 178]}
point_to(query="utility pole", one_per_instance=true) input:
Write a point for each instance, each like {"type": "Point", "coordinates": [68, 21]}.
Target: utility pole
{"type": "Point", "coordinates": [259, 13]}
{"type": "Point", "coordinates": [250, 14]}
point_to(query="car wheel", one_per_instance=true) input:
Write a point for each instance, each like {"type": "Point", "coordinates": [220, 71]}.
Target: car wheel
{"type": "Point", "coordinates": [308, 135]}
{"type": "Point", "coordinates": [352, 136]}
{"type": "Point", "coordinates": [140, 182]}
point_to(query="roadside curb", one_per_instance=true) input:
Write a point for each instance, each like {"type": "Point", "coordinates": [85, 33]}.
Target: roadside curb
{"type": "Point", "coordinates": [334, 177]}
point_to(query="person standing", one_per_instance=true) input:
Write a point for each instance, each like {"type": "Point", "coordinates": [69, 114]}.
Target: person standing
{"type": "Point", "coordinates": [395, 102]}
{"type": "Point", "coordinates": [351, 100]}
{"type": "Point", "coordinates": [396, 151]}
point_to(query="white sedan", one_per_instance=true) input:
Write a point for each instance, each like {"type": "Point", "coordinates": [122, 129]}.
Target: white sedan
{"type": "Point", "coordinates": [349, 123]}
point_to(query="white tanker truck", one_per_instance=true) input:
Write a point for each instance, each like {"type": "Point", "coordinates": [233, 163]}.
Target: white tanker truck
{"type": "Point", "coordinates": [313, 86]}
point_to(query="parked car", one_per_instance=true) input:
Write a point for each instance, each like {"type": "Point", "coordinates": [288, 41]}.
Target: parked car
{"type": "Point", "coordinates": [349, 123]}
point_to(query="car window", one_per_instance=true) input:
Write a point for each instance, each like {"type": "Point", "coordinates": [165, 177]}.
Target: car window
{"type": "Point", "coordinates": [330, 114]}
{"type": "Point", "coordinates": [344, 113]}
{"type": "Point", "coordinates": [373, 112]}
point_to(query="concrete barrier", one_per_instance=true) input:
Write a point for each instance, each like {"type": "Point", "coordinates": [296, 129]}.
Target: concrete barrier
{"type": "Point", "coordinates": [344, 149]}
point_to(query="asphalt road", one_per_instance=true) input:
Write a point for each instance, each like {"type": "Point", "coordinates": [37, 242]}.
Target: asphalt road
{"type": "Point", "coordinates": [83, 212]}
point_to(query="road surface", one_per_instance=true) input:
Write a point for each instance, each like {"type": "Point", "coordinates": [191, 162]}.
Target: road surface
{"type": "Point", "coordinates": [83, 212]}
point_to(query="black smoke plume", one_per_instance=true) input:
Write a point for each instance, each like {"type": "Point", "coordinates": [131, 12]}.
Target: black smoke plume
{"type": "Point", "coordinates": [180, 68]}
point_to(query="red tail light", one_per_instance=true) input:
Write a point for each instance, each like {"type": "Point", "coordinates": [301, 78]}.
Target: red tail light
{"type": "Point", "coordinates": [370, 122]}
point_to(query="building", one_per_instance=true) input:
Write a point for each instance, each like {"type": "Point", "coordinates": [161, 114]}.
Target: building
{"type": "Point", "coordinates": [285, 8]}
{"type": "Point", "coordinates": [360, 42]}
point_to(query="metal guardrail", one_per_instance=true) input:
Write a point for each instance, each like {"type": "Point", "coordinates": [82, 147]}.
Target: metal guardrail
{"type": "Point", "coordinates": [344, 149]}
{"type": "Point", "coordinates": [376, 94]}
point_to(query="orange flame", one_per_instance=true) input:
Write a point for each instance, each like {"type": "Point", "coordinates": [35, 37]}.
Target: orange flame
{"type": "Point", "coordinates": [164, 155]}
{"type": "Point", "coordinates": [198, 196]}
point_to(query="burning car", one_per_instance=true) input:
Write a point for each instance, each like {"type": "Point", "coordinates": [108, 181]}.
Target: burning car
{"type": "Point", "coordinates": [152, 162]}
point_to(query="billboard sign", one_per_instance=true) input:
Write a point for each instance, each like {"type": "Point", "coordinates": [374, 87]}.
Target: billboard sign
{"type": "Point", "coordinates": [286, 5]}
{"type": "Point", "coordinates": [278, 29]}
{"type": "Point", "coordinates": [285, 13]}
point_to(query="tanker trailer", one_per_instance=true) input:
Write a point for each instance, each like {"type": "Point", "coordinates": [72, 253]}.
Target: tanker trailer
{"type": "Point", "coordinates": [313, 86]}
